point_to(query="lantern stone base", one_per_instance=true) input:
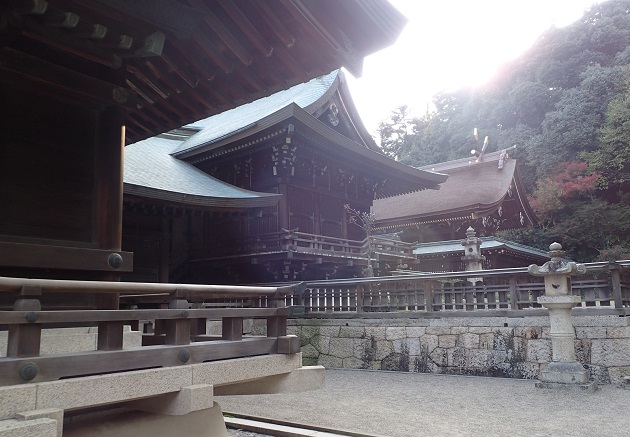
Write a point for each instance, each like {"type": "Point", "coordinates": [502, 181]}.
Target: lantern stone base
{"type": "Point", "coordinates": [566, 376]}
{"type": "Point", "coordinates": [589, 387]}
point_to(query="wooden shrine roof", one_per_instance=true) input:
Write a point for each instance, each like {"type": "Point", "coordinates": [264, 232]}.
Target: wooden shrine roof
{"type": "Point", "coordinates": [168, 62]}
{"type": "Point", "coordinates": [150, 172]}
{"type": "Point", "coordinates": [235, 129]}
{"type": "Point", "coordinates": [453, 247]}
{"type": "Point", "coordinates": [472, 190]}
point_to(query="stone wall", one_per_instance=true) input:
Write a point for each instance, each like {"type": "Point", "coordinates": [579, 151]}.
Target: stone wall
{"type": "Point", "coordinates": [484, 346]}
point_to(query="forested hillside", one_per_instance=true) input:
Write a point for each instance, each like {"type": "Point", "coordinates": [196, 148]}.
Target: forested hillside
{"type": "Point", "coordinates": [565, 103]}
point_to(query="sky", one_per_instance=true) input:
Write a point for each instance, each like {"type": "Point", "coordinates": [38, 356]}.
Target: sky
{"type": "Point", "coordinates": [450, 44]}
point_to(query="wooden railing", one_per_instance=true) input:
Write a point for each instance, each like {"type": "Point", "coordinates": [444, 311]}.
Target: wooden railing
{"type": "Point", "coordinates": [605, 286]}
{"type": "Point", "coordinates": [302, 242]}
{"type": "Point", "coordinates": [179, 336]}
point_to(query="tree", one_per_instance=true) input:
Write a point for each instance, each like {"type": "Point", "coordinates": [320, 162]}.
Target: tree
{"type": "Point", "coordinates": [394, 133]}
{"type": "Point", "coordinates": [570, 181]}
{"type": "Point", "coordinates": [364, 220]}
{"type": "Point", "coordinates": [612, 158]}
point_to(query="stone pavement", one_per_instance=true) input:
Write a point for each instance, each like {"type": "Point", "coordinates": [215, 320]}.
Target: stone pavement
{"type": "Point", "coordinates": [396, 404]}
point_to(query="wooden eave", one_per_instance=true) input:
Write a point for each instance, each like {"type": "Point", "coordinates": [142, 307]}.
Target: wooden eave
{"type": "Point", "coordinates": [408, 179]}
{"type": "Point", "coordinates": [190, 200]}
{"type": "Point", "coordinates": [167, 63]}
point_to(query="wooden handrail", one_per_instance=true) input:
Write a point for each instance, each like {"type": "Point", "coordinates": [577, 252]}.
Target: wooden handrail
{"type": "Point", "coordinates": [9, 284]}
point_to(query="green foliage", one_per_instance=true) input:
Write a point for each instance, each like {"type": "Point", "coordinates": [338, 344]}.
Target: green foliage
{"type": "Point", "coordinates": [566, 98]}
{"type": "Point", "coordinates": [612, 158]}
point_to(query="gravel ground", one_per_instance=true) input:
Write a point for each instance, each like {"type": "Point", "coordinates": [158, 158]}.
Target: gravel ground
{"type": "Point", "coordinates": [412, 404]}
{"type": "Point", "coordinates": [239, 433]}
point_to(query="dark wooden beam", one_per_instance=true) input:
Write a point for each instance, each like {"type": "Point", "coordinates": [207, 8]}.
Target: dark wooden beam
{"type": "Point", "coordinates": [61, 257]}
{"type": "Point", "coordinates": [276, 26]}
{"type": "Point", "coordinates": [19, 68]}
{"type": "Point", "coordinates": [223, 32]}
{"type": "Point", "coordinates": [170, 15]}
{"type": "Point", "coordinates": [53, 367]}
{"type": "Point", "coordinates": [263, 46]}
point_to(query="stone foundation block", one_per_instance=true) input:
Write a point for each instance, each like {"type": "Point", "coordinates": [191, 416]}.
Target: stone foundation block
{"type": "Point", "coordinates": [617, 374]}
{"type": "Point", "coordinates": [447, 341]}
{"type": "Point", "coordinates": [459, 330]}
{"type": "Point", "coordinates": [564, 373]}
{"type": "Point", "coordinates": [395, 333]}
{"type": "Point", "coordinates": [299, 380]}
{"type": "Point", "coordinates": [486, 341]}
{"type": "Point", "coordinates": [592, 332]}
{"type": "Point", "coordinates": [29, 428]}
{"type": "Point", "coordinates": [415, 331]}
{"type": "Point", "coordinates": [610, 353]}
{"type": "Point", "coordinates": [383, 349]}
{"type": "Point", "coordinates": [330, 362]}
{"type": "Point", "coordinates": [439, 356]}
{"type": "Point", "coordinates": [309, 351]}
{"type": "Point", "coordinates": [430, 342]}
{"type": "Point", "coordinates": [478, 359]}
{"type": "Point", "coordinates": [438, 330]}
{"type": "Point", "coordinates": [538, 351]}
{"type": "Point", "coordinates": [48, 413]}
{"type": "Point", "coordinates": [108, 389]}
{"type": "Point", "coordinates": [375, 331]}
{"type": "Point", "coordinates": [16, 398]}
{"type": "Point", "coordinates": [329, 331]}
{"type": "Point", "coordinates": [528, 332]}
{"type": "Point", "coordinates": [352, 363]}
{"type": "Point", "coordinates": [409, 346]}
{"type": "Point", "coordinates": [619, 332]}
{"type": "Point", "coordinates": [307, 332]}
{"type": "Point", "coordinates": [480, 330]}
{"type": "Point", "coordinates": [468, 341]}
{"type": "Point", "coordinates": [188, 399]}
{"type": "Point", "coordinates": [223, 372]}
{"type": "Point", "coordinates": [341, 347]}
{"type": "Point", "coordinates": [351, 332]}
{"type": "Point", "coordinates": [321, 343]}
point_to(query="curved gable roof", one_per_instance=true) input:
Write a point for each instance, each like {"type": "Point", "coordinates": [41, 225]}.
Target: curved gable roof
{"type": "Point", "coordinates": [308, 96]}
{"type": "Point", "coordinates": [471, 188]}
{"type": "Point", "coordinates": [151, 172]}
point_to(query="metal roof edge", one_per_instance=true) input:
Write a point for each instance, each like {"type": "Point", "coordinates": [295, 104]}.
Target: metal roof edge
{"type": "Point", "coordinates": [262, 200]}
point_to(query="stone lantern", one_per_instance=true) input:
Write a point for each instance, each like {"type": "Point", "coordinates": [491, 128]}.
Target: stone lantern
{"type": "Point", "coordinates": [472, 253]}
{"type": "Point", "coordinates": [564, 371]}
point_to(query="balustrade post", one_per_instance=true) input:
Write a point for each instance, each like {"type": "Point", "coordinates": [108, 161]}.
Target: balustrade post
{"type": "Point", "coordinates": [564, 371]}
{"type": "Point", "coordinates": [615, 278]}
{"type": "Point", "coordinates": [178, 330]}
{"type": "Point", "coordinates": [232, 328]}
{"type": "Point", "coordinates": [514, 297]}
{"type": "Point", "coordinates": [25, 339]}
{"type": "Point", "coordinates": [428, 295]}
{"type": "Point", "coordinates": [359, 299]}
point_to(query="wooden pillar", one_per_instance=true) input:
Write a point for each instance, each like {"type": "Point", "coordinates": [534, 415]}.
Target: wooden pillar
{"type": "Point", "coordinates": [283, 206]}
{"type": "Point", "coordinates": [24, 339]}
{"type": "Point", "coordinates": [317, 212]}
{"type": "Point", "coordinates": [164, 250]}
{"type": "Point", "coordinates": [108, 191]}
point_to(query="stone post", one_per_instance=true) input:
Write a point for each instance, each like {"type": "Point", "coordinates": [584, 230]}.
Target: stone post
{"type": "Point", "coordinates": [472, 253]}
{"type": "Point", "coordinates": [564, 371]}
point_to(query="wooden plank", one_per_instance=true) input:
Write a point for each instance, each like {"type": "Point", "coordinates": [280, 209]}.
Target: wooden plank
{"type": "Point", "coordinates": [276, 326]}
{"type": "Point", "coordinates": [53, 367]}
{"type": "Point", "coordinates": [60, 257]}
{"type": "Point", "coordinates": [110, 336]}
{"type": "Point", "coordinates": [178, 331]}
{"type": "Point", "coordinates": [44, 317]}
{"type": "Point", "coordinates": [232, 328]}
{"type": "Point", "coordinates": [24, 340]}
